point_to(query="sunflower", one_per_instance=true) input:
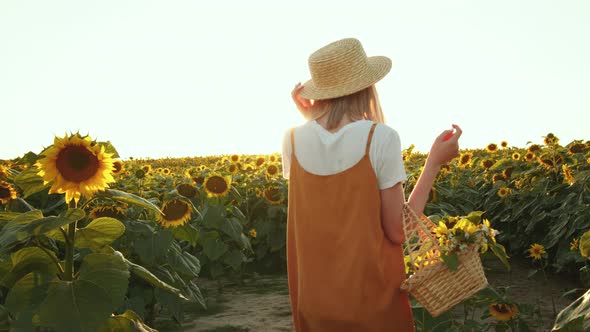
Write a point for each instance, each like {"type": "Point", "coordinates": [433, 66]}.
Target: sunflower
{"type": "Point", "coordinates": [529, 156]}
{"type": "Point", "coordinates": [576, 148]}
{"type": "Point", "coordinates": [198, 180]}
{"type": "Point", "coordinates": [258, 192]}
{"type": "Point", "coordinates": [217, 185]}
{"type": "Point", "coordinates": [550, 139]}
{"type": "Point", "coordinates": [492, 147]}
{"type": "Point", "coordinates": [140, 173]}
{"type": "Point", "coordinates": [108, 211]}
{"type": "Point", "coordinates": [7, 193]}
{"type": "Point", "coordinates": [3, 172]}
{"type": "Point", "coordinates": [252, 233]}
{"type": "Point", "coordinates": [534, 148]}
{"type": "Point", "coordinates": [191, 172]}
{"type": "Point", "coordinates": [507, 172]}
{"type": "Point", "coordinates": [503, 311]}
{"type": "Point", "coordinates": [465, 159]}
{"type": "Point", "coordinates": [233, 168]}
{"type": "Point", "coordinates": [273, 195]}
{"type": "Point", "coordinates": [260, 160]}
{"type": "Point", "coordinates": [503, 144]}
{"type": "Point", "coordinates": [146, 169]}
{"type": "Point", "coordinates": [76, 166]}
{"type": "Point", "coordinates": [498, 177]}
{"type": "Point", "coordinates": [487, 163]}
{"type": "Point", "coordinates": [536, 251]}
{"type": "Point", "coordinates": [272, 158]}
{"type": "Point", "coordinates": [166, 171]}
{"type": "Point", "coordinates": [568, 175]}
{"type": "Point", "coordinates": [202, 168]}
{"type": "Point", "coordinates": [574, 244]}
{"type": "Point", "coordinates": [546, 161]}
{"type": "Point", "coordinates": [117, 167]}
{"type": "Point", "coordinates": [516, 156]}
{"type": "Point", "coordinates": [175, 213]}
{"type": "Point", "coordinates": [187, 190]}
{"type": "Point", "coordinates": [503, 192]}
{"type": "Point", "coordinates": [272, 170]}
{"type": "Point", "coordinates": [234, 158]}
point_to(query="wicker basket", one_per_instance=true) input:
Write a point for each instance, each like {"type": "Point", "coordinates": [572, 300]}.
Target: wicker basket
{"type": "Point", "coordinates": [432, 284]}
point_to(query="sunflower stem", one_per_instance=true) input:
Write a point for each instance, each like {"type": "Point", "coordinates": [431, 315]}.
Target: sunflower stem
{"type": "Point", "coordinates": [68, 274]}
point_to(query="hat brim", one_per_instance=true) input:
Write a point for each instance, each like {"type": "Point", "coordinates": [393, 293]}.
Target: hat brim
{"type": "Point", "coordinates": [378, 67]}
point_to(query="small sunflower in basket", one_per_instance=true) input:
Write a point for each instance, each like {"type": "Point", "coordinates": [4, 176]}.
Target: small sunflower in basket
{"type": "Point", "coordinates": [454, 234]}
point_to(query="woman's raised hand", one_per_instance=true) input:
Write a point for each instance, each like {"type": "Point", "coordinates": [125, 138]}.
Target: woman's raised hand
{"type": "Point", "coordinates": [303, 105]}
{"type": "Point", "coordinates": [445, 146]}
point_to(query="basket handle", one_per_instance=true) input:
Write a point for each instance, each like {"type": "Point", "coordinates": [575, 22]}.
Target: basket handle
{"type": "Point", "coordinates": [412, 224]}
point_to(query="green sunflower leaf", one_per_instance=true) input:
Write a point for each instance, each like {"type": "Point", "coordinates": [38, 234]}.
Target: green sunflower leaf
{"type": "Point", "coordinates": [108, 272]}
{"type": "Point", "coordinates": [75, 306]}
{"type": "Point", "coordinates": [26, 260]}
{"type": "Point", "coordinates": [129, 321]}
{"type": "Point", "coordinates": [99, 232]}
{"type": "Point", "coordinates": [30, 182]}
{"type": "Point", "coordinates": [128, 198]}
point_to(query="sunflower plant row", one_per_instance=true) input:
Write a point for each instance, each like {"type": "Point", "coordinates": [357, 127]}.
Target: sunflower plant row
{"type": "Point", "coordinates": [61, 265]}
{"type": "Point", "coordinates": [224, 215]}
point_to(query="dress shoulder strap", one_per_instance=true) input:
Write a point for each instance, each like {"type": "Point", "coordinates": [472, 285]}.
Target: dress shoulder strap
{"type": "Point", "coordinates": [370, 138]}
{"type": "Point", "coordinates": [293, 140]}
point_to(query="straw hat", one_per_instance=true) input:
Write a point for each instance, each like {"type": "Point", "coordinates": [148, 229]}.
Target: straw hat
{"type": "Point", "coordinates": [342, 68]}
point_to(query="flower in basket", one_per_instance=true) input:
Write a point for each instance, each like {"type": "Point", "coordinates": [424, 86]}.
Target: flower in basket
{"type": "Point", "coordinates": [454, 234]}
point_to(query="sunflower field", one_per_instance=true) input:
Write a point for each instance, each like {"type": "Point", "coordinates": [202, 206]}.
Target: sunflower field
{"type": "Point", "coordinates": [122, 242]}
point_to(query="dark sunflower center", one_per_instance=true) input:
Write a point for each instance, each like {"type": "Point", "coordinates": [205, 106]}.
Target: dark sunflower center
{"type": "Point", "coordinates": [216, 184]}
{"type": "Point", "coordinates": [198, 180]}
{"type": "Point", "coordinates": [501, 308]}
{"type": "Point", "coordinates": [175, 210]}
{"type": "Point", "coordinates": [187, 190]}
{"type": "Point", "coordinates": [272, 170]}
{"type": "Point", "coordinates": [465, 159]}
{"type": "Point", "coordinates": [4, 192]}
{"type": "Point", "coordinates": [259, 161]}
{"type": "Point", "coordinates": [272, 194]}
{"type": "Point", "coordinates": [117, 166]}
{"type": "Point", "coordinates": [76, 163]}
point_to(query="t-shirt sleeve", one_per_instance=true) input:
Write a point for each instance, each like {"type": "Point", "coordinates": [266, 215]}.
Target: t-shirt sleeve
{"type": "Point", "coordinates": [390, 165]}
{"type": "Point", "coordinates": [286, 157]}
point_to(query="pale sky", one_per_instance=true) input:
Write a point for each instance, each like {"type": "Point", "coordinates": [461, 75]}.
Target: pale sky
{"type": "Point", "coordinates": [194, 78]}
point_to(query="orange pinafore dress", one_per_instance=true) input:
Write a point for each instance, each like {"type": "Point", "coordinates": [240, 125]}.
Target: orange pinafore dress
{"type": "Point", "coordinates": [343, 273]}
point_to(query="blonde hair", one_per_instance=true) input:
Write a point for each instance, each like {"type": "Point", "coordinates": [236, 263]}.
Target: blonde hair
{"type": "Point", "coordinates": [359, 105]}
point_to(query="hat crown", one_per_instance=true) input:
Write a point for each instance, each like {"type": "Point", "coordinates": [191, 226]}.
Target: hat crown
{"type": "Point", "coordinates": [338, 63]}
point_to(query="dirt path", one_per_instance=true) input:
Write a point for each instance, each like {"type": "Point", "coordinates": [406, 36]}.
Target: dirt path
{"type": "Point", "coordinates": [262, 302]}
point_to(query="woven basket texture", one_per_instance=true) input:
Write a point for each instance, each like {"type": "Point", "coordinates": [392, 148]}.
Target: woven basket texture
{"type": "Point", "coordinates": [432, 284]}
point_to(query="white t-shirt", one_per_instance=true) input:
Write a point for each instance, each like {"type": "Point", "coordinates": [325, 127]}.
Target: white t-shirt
{"type": "Point", "coordinates": [324, 153]}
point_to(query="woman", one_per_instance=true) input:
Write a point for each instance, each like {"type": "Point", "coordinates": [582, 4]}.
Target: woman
{"type": "Point", "coordinates": [345, 171]}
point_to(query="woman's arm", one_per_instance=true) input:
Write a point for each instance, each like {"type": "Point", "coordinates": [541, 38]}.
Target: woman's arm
{"type": "Point", "coordinates": [441, 152]}
{"type": "Point", "coordinates": [392, 199]}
